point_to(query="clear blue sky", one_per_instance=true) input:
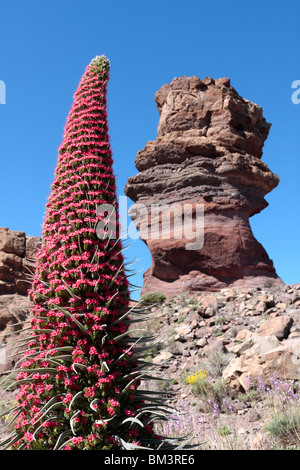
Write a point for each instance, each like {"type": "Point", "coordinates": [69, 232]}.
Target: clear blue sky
{"type": "Point", "coordinates": [46, 45]}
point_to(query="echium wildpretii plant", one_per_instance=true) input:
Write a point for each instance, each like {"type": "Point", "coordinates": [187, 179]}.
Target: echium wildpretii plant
{"type": "Point", "coordinates": [78, 380]}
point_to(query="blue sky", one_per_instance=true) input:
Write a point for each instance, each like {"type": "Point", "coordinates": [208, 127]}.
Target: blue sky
{"type": "Point", "coordinates": [45, 47]}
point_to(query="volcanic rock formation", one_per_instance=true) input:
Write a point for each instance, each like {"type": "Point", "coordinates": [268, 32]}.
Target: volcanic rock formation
{"type": "Point", "coordinates": [198, 184]}
{"type": "Point", "coordinates": [17, 254]}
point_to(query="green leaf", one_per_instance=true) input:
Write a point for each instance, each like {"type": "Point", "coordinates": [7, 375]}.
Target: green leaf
{"type": "Point", "coordinates": [130, 446]}
{"type": "Point", "coordinates": [131, 383]}
{"type": "Point", "coordinates": [59, 349]}
{"type": "Point", "coordinates": [54, 402]}
{"type": "Point", "coordinates": [12, 420]}
{"type": "Point", "coordinates": [42, 370]}
{"type": "Point", "coordinates": [94, 402]}
{"type": "Point", "coordinates": [104, 367]}
{"type": "Point", "coordinates": [10, 440]}
{"type": "Point", "coordinates": [60, 439]}
{"type": "Point", "coordinates": [16, 331]}
{"type": "Point", "coordinates": [117, 338]}
{"type": "Point", "coordinates": [72, 421]}
{"type": "Point", "coordinates": [81, 367]}
{"type": "Point", "coordinates": [133, 420]}
{"type": "Point", "coordinates": [126, 352]}
{"type": "Point", "coordinates": [68, 314]}
{"type": "Point", "coordinates": [78, 394]}
{"type": "Point", "coordinates": [65, 357]}
{"type": "Point", "coordinates": [102, 421]}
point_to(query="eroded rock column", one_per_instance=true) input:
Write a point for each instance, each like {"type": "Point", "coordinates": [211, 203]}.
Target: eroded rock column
{"type": "Point", "coordinates": [207, 156]}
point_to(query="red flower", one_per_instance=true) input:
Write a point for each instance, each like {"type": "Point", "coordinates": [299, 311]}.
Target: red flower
{"type": "Point", "coordinates": [78, 292]}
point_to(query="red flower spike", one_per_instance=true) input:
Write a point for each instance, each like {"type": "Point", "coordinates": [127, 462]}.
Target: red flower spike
{"type": "Point", "coordinates": [77, 392]}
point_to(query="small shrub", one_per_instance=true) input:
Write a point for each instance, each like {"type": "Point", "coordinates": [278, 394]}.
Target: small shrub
{"type": "Point", "coordinates": [206, 390]}
{"type": "Point", "coordinates": [251, 395]}
{"type": "Point", "coordinates": [268, 283]}
{"type": "Point", "coordinates": [222, 320]}
{"type": "Point", "coordinates": [153, 298]}
{"type": "Point", "coordinates": [193, 378]}
{"type": "Point", "coordinates": [283, 400]}
{"type": "Point", "coordinates": [164, 386]}
{"type": "Point", "coordinates": [216, 362]}
{"type": "Point", "coordinates": [285, 427]}
{"type": "Point", "coordinates": [223, 431]}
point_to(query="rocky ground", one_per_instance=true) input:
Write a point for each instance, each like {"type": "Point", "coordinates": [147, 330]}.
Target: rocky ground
{"type": "Point", "coordinates": [240, 341]}
{"type": "Point", "coordinates": [215, 353]}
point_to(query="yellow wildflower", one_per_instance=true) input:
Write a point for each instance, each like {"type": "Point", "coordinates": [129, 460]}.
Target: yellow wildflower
{"type": "Point", "coordinates": [193, 378]}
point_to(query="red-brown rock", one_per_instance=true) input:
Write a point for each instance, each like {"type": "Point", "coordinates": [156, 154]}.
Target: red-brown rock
{"type": "Point", "coordinates": [278, 326]}
{"type": "Point", "coordinates": [207, 155]}
{"type": "Point", "coordinates": [16, 254]}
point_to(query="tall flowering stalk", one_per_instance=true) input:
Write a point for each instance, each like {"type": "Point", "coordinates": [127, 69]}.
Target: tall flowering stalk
{"type": "Point", "coordinates": [79, 377]}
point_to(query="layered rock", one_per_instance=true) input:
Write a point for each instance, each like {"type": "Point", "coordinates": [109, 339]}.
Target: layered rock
{"type": "Point", "coordinates": [17, 254]}
{"type": "Point", "coordinates": [198, 184]}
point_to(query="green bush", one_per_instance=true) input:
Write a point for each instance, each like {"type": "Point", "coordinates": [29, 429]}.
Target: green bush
{"type": "Point", "coordinates": [153, 298]}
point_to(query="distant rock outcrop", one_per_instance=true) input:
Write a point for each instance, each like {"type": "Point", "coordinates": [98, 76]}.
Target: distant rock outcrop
{"type": "Point", "coordinates": [207, 156]}
{"type": "Point", "coordinates": [17, 254]}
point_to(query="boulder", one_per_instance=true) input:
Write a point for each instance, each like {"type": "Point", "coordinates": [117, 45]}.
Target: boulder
{"type": "Point", "coordinates": [278, 326]}
{"type": "Point", "coordinates": [258, 356]}
{"type": "Point", "coordinates": [162, 357]}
